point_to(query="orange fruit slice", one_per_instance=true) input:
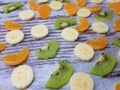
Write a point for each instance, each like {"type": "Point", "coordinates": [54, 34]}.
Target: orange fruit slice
{"type": "Point", "coordinates": [84, 25]}
{"type": "Point", "coordinates": [2, 46]}
{"type": "Point", "coordinates": [11, 25]}
{"type": "Point", "coordinates": [94, 8]}
{"type": "Point", "coordinates": [44, 11]}
{"type": "Point", "coordinates": [70, 8]}
{"type": "Point", "coordinates": [98, 44]}
{"type": "Point", "coordinates": [81, 3]}
{"type": "Point", "coordinates": [117, 25]}
{"type": "Point", "coordinates": [117, 86]}
{"type": "Point", "coordinates": [33, 5]}
{"type": "Point", "coordinates": [16, 58]}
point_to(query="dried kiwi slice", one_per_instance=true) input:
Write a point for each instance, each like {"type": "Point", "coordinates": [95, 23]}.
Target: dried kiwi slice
{"type": "Point", "coordinates": [104, 16]}
{"type": "Point", "coordinates": [60, 76]}
{"type": "Point", "coordinates": [116, 42]}
{"type": "Point", "coordinates": [48, 51]}
{"type": "Point", "coordinates": [104, 65]}
{"type": "Point", "coordinates": [63, 1]}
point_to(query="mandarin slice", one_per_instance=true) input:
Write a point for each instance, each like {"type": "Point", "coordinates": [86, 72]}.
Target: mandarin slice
{"type": "Point", "coordinates": [2, 46]}
{"type": "Point", "coordinates": [81, 3]}
{"type": "Point", "coordinates": [33, 5]}
{"type": "Point", "coordinates": [94, 8]}
{"type": "Point", "coordinates": [117, 86]}
{"type": "Point", "coordinates": [117, 25]}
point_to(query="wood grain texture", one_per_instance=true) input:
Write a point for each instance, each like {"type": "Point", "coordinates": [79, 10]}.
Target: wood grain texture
{"type": "Point", "coordinates": [42, 68]}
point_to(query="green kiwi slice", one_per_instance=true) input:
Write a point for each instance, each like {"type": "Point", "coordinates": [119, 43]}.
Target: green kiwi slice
{"type": "Point", "coordinates": [64, 22]}
{"type": "Point", "coordinates": [103, 16]}
{"type": "Point", "coordinates": [116, 42]}
{"type": "Point", "coordinates": [104, 65]}
{"type": "Point", "coordinates": [60, 76]}
{"type": "Point", "coordinates": [63, 1]}
{"type": "Point", "coordinates": [48, 51]}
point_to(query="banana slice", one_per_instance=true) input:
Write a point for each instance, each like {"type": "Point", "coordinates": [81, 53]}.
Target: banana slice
{"type": "Point", "coordinates": [43, 1]}
{"type": "Point", "coordinates": [81, 81]}
{"type": "Point", "coordinates": [96, 1]}
{"type": "Point", "coordinates": [83, 12]}
{"type": "Point", "coordinates": [39, 31]}
{"type": "Point", "coordinates": [22, 76]}
{"type": "Point", "coordinates": [113, 1]}
{"type": "Point", "coordinates": [14, 37]}
{"type": "Point", "coordinates": [100, 27]}
{"type": "Point", "coordinates": [26, 15]}
{"type": "Point", "coordinates": [84, 52]}
{"type": "Point", "coordinates": [69, 34]}
{"type": "Point", "coordinates": [56, 5]}
{"type": "Point", "coordinates": [119, 53]}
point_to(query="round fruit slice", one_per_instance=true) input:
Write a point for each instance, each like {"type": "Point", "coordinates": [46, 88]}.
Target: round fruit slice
{"type": "Point", "coordinates": [113, 1]}
{"type": "Point", "coordinates": [84, 25]}
{"type": "Point", "coordinates": [117, 25]}
{"type": "Point", "coordinates": [116, 42]}
{"type": "Point", "coordinates": [56, 5]}
{"type": "Point", "coordinates": [96, 1]}
{"type": "Point", "coordinates": [14, 37]}
{"type": "Point", "coordinates": [70, 34]}
{"type": "Point", "coordinates": [39, 31]}
{"type": "Point", "coordinates": [22, 76]}
{"type": "Point", "coordinates": [100, 27]}
{"type": "Point", "coordinates": [16, 58]}
{"type": "Point", "coordinates": [81, 81]}
{"type": "Point", "coordinates": [104, 65]}
{"type": "Point", "coordinates": [2, 46]}
{"type": "Point", "coordinates": [117, 86]}
{"type": "Point", "coordinates": [60, 76]}
{"type": "Point", "coordinates": [119, 53]}
{"type": "Point", "coordinates": [98, 44]}
{"type": "Point", "coordinates": [33, 5]}
{"type": "Point", "coordinates": [11, 25]}
{"type": "Point", "coordinates": [83, 12]}
{"type": "Point", "coordinates": [84, 52]}
{"type": "Point", "coordinates": [26, 15]}
{"type": "Point", "coordinates": [104, 16]}
{"type": "Point", "coordinates": [43, 1]}
{"type": "Point", "coordinates": [81, 3]}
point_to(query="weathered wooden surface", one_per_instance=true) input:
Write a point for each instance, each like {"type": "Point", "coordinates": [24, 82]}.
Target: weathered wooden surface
{"type": "Point", "coordinates": [43, 69]}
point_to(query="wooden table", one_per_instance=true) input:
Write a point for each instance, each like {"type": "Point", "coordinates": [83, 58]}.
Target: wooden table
{"type": "Point", "coordinates": [44, 68]}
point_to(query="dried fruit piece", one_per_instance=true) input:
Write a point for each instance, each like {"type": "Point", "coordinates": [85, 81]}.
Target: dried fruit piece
{"type": "Point", "coordinates": [116, 42]}
{"type": "Point", "coordinates": [2, 46]}
{"type": "Point", "coordinates": [69, 10]}
{"type": "Point", "coordinates": [81, 3]}
{"type": "Point", "coordinates": [84, 25]}
{"type": "Point", "coordinates": [44, 11]}
{"type": "Point", "coordinates": [63, 1]}
{"type": "Point", "coordinates": [98, 44]}
{"type": "Point", "coordinates": [12, 6]}
{"type": "Point", "coordinates": [96, 1]}
{"type": "Point", "coordinates": [11, 25]}
{"type": "Point", "coordinates": [117, 86]}
{"type": "Point", "coordinates": [117, 25]}
{"type": "Point", "coordinates": [33, 5]}
{"type": "Point", "coordinates": [96, 8]}
{"type": "Point", "coordinates": [16, 58]}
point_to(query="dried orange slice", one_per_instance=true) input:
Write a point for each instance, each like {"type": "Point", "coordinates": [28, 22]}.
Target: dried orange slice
{"type": "Point", "coordinates": [117, 25]}
{"type": "Point", "coordinates": [16, 58]}
{"type": "Point", "coordinates": [11, 25]}
{"type": "Point", "coordinates": [98, 44]}
{"type": "Point", "coordinates": [2, 46]}
{"type": "Point", "coordinates": [81, 3]}
{"type": "Point", "coordinates": [84, 25]}
{"type": "Point", "coordinates": [33, 5]}
{"type": "Point", "coordinates": [70, 8]}
{"type": "Point", "coordinates": [115, 7]}
{"type": "Point", "coordinates": [117, 86]}
{"type": "Point", "coordinates": [44, 11]}
{"type": "Point", "coordinates": [94, 8]}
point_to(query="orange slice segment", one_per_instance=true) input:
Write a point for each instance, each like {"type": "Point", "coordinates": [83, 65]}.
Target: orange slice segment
{"type": "Point", "coordinates": [117, 86]}
{"type": "Point", "coordinates": [94, 8]}
{"type": "Point", "coordinates": [81, 3]}
{"type": "Point", "coordinates": [84, 25]}
{"type": "Point", "coordinates": [70, 8]}
{"type": "Point", "coordinates": [2, 46]}
{"type": "Point", "coordinates": [98, 44]}
{"type": "Point", "coordinates": [117, 25]}
{"type": "Point", "coordinates": [16, 58]}
{"type": "Point", "coordinates": [11, 25]}
{"type": "Point", "coordinates": [33, 5]}
{"type": "Point", "coordinates": [44, 11]}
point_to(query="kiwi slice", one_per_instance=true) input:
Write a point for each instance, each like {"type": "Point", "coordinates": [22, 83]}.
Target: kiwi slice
{"type": "Point", "coordinates": [104, 65]}
{"type": "Point", "coordinates": [103, 16]}
{"type": "Point", "coordinates": [48, 51]}
{"type": "Point", "coordinates": [116, 42]}
{"type": "Point", "coordinates": [60, 76]}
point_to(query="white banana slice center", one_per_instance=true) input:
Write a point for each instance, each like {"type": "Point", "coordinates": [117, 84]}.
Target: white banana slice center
{"type": "Point", "coordinates": [84, 52]}
{"type": "Point", "coordinates": [96, 1]}
{"type": "Point", "coordinates": [22, 76]}
{"type": "Point", "coordinates": [69, 34]}
{"type": "Point", "coordinates": [42, 1]}
{"type": "Point", "coordinates": [14, 37]}
{"type": "Point", "coordinates": [113, 1]}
